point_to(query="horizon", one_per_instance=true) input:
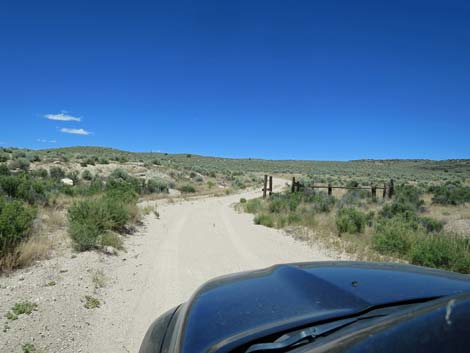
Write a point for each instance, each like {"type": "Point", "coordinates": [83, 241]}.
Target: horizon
{"type": "Point", "coordinates": [250, 158]}
{"type": "Point", "coordinates": [253, 79]}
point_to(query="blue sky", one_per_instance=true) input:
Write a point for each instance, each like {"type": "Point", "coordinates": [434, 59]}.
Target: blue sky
{"type": "Point", "coordinates": [328, 80]}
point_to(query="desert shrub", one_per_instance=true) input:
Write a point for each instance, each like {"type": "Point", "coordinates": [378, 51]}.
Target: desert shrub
{"type": "Point", "coordinates": [239, 184]}
{"type": "Point", "coordinates": [323, 202]}
{"type": "Point", "coordinates": [129, 187]}
{"type": "Point", "coordinates": [40, 173]}
{"type": "Point", "coordinates": [117, 212]}
{"type": "Point", "coordinates": [86, 175]}
{"type": "Point", "coordinates": [210, 184]}
{"type": "Point", "coordinates": [21, 163]}
{"type": "Point", "coordinates": [408, 194]}
{"type": "Point", "coordinates": [4, 157]}
{"type": "Point", "coordinates": [450, 194]}
{"type": "Point", "coordinates": [431, 225]}
{"type": "Point", "coordinates": [405, 209]}
{"type": "Point", "coordinates": [103, 161]}
{"type": "Point", "coordinates": [242, 200]}
{"type": "Point", "coordinates": [253, 206]}
{"type": "Point", "coordinates": [119, 173]}
{"type": "Point", "coordinates": [19, 154]}
{"type": "Point", "coordinates": [33, 157]}
{"type": "Point", "coordinates": [88, 221]}
{"type": "Point", "coordinates": [88, 161]}
{"type": "Point", "coordinates": [394, 236]}
{"type": "Point", "coordinates": [441, 251]}
{"type": "Point", "coordinates": [4, 169]}
{"type": "Point", "coordinates": [187, 188]}
{"type": "Point", "coordinates": [294, 218]}
{"type": "Point", "coordinates": [351, 220]}
{"type": "Point", "coordinates": [407, 203]}
{"type": "Point", "coordinates": [157, 186]}
{"type": "Point", "coordinates": [264, 219]}
{"type": "Point", "coordinates": [354, 197]}
{"type": "Point", "coordinates": [24, 188]}
{"type": "Point", "coordinates": [352, 184]}
{"type": "Point", "coordinates": [95, 187]}
{"type": "Point", "coordinates": [126, 191]}
{"type": "Point", "coordinates": [277, 204]}
{"type": "Point", "coordinates": [56, 173]}
{"type": "Point", "coordinates": [15, 224]}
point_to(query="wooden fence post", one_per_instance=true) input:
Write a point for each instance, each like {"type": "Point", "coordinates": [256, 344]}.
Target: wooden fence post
{"type": "Point", "coordinates": [385, 190]}
{"type": "Point", "coordinates": [270, 185]}
{"type": "Point", "coordinates": [374, 192]}
{"type": "Point", "coordinates": [330, 189]}
{"type": "Point", "coordinates": [293, 185]}
{"type": "Point", "coordinates": [265, 186]}
{"type": "Point", "coordinates": [391, 189]}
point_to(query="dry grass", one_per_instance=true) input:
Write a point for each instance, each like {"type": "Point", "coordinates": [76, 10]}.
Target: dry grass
{"type": "Point", "coordinates": [47, 234]}
{"type": "Point", "coordinates": [37, 247]}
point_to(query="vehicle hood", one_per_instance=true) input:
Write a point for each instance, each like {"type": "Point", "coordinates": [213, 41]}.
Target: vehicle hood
{"type": "Point", "coordinates": [228, 311]}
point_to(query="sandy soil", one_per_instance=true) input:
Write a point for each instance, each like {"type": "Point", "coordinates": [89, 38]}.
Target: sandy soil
{"type": "Point", "coordinates": [192, 242]}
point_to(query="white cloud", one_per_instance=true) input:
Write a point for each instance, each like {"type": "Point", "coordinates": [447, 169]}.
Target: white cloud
{"type": "Point", "coordinates": [75, 131]}
{"type": "Point", "coordinates": [62, 117]}
{"type": "Point", "coordinates": [46, 141]}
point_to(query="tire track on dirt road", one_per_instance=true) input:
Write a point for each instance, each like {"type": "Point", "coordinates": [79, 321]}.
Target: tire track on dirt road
{"type": "Point", "coordinates": [192, 242]}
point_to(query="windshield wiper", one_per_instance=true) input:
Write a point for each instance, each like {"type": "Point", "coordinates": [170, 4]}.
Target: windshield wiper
{"type": "Point", "coordinates": [309, 334]}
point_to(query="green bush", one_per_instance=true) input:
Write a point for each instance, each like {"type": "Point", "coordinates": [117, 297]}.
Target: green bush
{"type": "Point", "coordinates": [450, 194]}
{"type": "Point", "coordinates": [56, 173]}
{"type": "Point", "coordinates": [119, 173]}
{"type": "Point", "coordinates": [88, 221]}
{"type": "Point", "coordinates": [431, 225]}
{"type": "Point", "coordinates": [157, 186]}
{"type": "Point", "coordinates": [86, 175]}
{"type": "Point", "coordinates": [40, 173]}
{"type": "Point", "coordinates": [187, 189]}
{"type": "Point", "coordinates": [125, 190]}
{"type": "Point", "coordinates": [21, 163]}
{"type": "Point", "coordinates": [16, 220]}
{"type": "Point", "coordinates": [117, 213]}
{"type": "Point", "coordinates": [264, 219]}
{"type": "Point", "coordinates": [239, 184]}
{"type": "Point", "coordinates": [253, 206]}
{"type": "Point", "coordinates": [4, 169]}
{"type": "Point", "coordinates": [91, 220]}
{"type": "Point", "coordinates": [394, 236]}
{"type": "Point", "coordinates": [4, 157]}
{"type": "Point", "coordinates": [441, 251]}
{"type": "Point", "coordinates": [350, 220]}
{"type": "Point", "coordinates": [25, 188]}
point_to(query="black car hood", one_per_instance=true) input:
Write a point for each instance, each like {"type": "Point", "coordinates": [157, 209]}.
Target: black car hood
{"type": "Point", "coordinates": [229, 311]}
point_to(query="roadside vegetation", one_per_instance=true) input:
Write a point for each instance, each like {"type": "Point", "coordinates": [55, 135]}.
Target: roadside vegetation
{"type": "Point", "coordinates": [91, 197]}
{"type": "Point", "coordinates": [399, 228]}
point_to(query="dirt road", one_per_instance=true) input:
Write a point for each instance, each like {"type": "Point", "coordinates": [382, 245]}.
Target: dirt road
{"type": "Point", "coordinates": [192, 242]}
